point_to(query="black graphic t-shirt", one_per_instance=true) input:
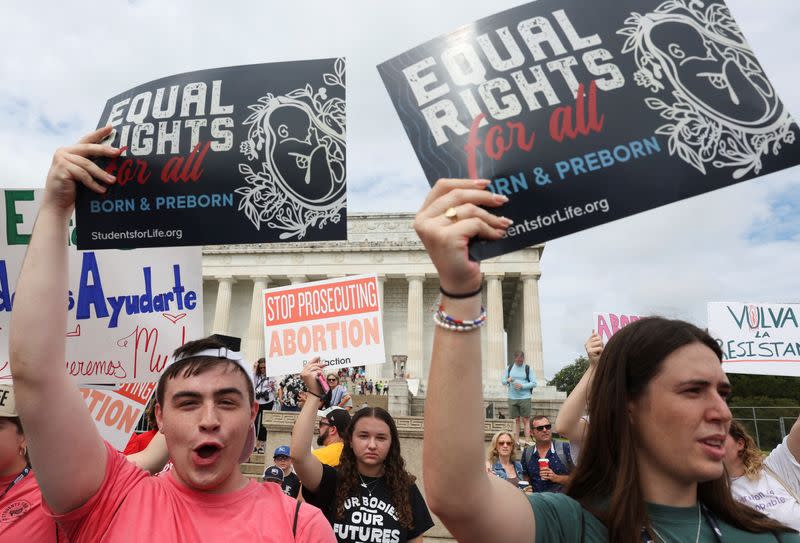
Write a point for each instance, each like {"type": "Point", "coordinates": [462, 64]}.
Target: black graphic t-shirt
{"type": "Point", "coordinates": [291, 485]}
{"type": "Point", "coordinates": [368, 518]}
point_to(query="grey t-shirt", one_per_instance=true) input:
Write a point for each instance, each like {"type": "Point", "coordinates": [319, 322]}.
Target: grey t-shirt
{"type": "Point", "coordinates": [558, 518]}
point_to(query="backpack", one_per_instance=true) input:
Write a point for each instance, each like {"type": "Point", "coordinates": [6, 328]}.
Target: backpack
{"type": "Point", "coordinates": [527, 372]}
{"type": "Point", "coordinates": [562, 451]}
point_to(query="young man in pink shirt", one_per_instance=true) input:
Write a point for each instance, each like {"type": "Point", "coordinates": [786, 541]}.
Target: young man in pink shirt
{"type": "Point", "coordinates": [205, 410]}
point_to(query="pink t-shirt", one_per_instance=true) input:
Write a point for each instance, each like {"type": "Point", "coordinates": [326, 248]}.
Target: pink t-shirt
{"type": "Point", "coordinates": [21, 515]}
{"type": "Point", "coordinates": [132, 506]}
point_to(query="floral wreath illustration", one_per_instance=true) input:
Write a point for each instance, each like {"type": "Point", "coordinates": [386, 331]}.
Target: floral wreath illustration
{"type": "Point", "coordinates": [698, 132]}
{"type": "Point", "coordinates": [267, 197]}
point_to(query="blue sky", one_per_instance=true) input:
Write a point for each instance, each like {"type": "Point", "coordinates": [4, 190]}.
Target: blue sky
{"type": "Point", "coordinates": [738, 244]}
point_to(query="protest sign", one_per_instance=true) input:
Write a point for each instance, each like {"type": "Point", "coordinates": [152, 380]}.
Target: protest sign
{"type": "Point", "coordinates": [246, 154]}
{"type": "Point", "coordinates": [757, 338]}
{"type": "Point", "coordinates": [116, 412]}
{"type": "Point", "coordinates": [339, 319]}
{"type": "Point", "coordinates": [126, 310]}
{"type": "Point", "coordinates": [608, 324]}
{"type": "Point", "coordinates": [587, 111]}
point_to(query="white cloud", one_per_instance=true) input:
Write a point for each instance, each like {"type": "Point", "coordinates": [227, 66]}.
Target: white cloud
{"type": "Point", "coordinates": [69, 58]}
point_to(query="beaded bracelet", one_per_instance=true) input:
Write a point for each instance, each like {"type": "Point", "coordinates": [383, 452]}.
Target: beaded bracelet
{"type": "Point", "coordinates": [442, 319]}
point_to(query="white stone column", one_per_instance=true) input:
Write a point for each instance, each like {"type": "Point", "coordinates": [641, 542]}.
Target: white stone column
{"type": "Point", "coordinates": [414, 328]}
{"type": "Point", "coordinates": [494, 310]}
{"type": "Point", "coordinates": [297, 279]}
{"type": "Point", "coordinates": [383, 371]}
{"type": "Point", "coordinates": [222, 311]}
{"type": "Point", "coordinates": [255, 330]}
{"type": "Point", "coordinates": [532, 325]}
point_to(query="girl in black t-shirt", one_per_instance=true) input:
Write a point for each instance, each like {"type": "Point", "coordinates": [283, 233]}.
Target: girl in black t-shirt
{"type": "Point", "coordinates": [370, 496]}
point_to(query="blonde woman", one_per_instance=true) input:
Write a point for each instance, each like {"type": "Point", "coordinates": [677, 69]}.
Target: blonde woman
{"type": "Point", "coordinates": [502, 458]}
{"type": "Point", "coordinates": [770, 485]}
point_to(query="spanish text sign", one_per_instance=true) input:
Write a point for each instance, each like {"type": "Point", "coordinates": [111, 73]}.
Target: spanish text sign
{"type": "Point", "coordinates": [126, 310]}
{"type": "Point", "coordinates": [339, 319]}
{"type": "Point", "coordinates": [587, 111]}
{"type": "Point", "coordinates": [757, 338]}
{"type": "Point", "coordinates": [246, 154]}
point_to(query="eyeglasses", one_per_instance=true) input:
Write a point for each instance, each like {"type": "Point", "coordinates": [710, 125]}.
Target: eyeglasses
{"type": "Point", "coordinates": [280, 458]}
{"type": "Point", "coordinates": [324, 423]}
{"type": "Point", "coordinates": [542, 427]}
{"type": "Point", "coordinates": [504, 443]}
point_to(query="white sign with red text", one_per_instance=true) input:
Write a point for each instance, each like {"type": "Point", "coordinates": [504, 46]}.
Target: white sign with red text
{"type": "Point", "coordinates": [116, 412]}
{"type": "Point", "coordinates": [608, 324]}
{"type": "Point", "coordinates": [339, 319]}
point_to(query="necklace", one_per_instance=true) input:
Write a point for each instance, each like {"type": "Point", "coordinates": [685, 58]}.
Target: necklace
{"type": "Point", "coordinates": [369, 486]}
{"type": "Point", "coordinates": [696, 538]}
{"type": "Point", "coordinates": [22, 474]}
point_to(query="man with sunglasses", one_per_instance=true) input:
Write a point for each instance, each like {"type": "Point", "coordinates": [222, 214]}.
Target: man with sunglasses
{"type": "Point", "coordinates": [332, 425]}
{"type": "Point", "coordinates": [552, 475]}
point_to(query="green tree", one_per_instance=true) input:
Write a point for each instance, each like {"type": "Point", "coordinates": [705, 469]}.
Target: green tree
{"type": "Point", "coordinates": [567, 378]}
{"type": "Point", "coordinates": [771, 386]}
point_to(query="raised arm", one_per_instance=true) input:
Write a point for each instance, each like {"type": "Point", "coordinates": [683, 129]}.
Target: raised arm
{"type": "Point", "coordinates": [154, 457]}
{"type": "Point", "coordinates": [793, 440]}
{"type": "Point", "coordinates": [475, 506]}
{"type": "Point", "coordinates": [306, 465]}
{"type": "Point", "coordinates": [570, 422]}
{"type": "Point", "coordinates": [65, 447]}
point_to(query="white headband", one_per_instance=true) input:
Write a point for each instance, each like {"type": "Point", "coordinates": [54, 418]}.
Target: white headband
{"type": "Point", "coordinates": [221, 352]}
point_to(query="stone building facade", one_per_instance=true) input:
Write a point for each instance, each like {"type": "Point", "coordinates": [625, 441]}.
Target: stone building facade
{"type": "Point", "coordinates": [384, 244]}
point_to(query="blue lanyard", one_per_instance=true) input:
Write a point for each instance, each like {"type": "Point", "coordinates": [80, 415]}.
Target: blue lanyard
{"type": "Point", "coordinates": [20, 477]}
{"type": "Point", "coordinates": [707, 515]}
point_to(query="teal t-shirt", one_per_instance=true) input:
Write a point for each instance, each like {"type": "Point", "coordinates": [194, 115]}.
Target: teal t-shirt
{"type": "Point", "coordinates": [558, 518]}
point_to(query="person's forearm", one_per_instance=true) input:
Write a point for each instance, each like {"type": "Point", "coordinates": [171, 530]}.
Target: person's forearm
{"type": "Point", "coordinates": [153, 458]}
{"type": "Point", "coordinates": [793, 440]}
{"type": "Point", "coordinates": [50, 406]}
{"type": "Point", "coordinates": [568, 421]}
{"type": "Point", "coordinates": [454, 419]}
{"type": "Point", "coordinates": [306, 465]}
{"type": "Point", "coordinates": [41, 291]}
{"type": "Point", "coordinates": [303, 431]}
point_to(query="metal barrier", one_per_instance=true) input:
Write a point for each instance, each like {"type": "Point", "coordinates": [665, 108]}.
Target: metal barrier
{"type": "Point", "coordinates": [767, 425]}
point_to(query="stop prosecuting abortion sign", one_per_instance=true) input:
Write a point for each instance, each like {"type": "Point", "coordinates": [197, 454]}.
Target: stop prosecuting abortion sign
{"type": "Point", "coordinates": [339, 319]}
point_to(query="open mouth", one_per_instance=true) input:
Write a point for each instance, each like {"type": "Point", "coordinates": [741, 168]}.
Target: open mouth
{"type": "Point", "coordinates": [206, 453]}
{"type": "Point", "coordinates": [714, 447]}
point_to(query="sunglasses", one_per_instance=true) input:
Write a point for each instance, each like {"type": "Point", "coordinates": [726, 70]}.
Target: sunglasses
{"type": "Point", "coordinates": [506, 443]}
{"type": "Point", "coordinates": [332, 379]}
{"type": "Point", "coordinates": [542, 427]}
{"type": "Point", "coordinates": [324, 423]}
{"type": "Point", "coordinates": [280, 458]}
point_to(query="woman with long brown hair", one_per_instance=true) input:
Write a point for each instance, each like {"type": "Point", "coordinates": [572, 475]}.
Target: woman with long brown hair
{"type": "Point", "coordinates": [369, 496]}
{"type": "Point", "coordinates": [501, 460]}
{"type": "Point", "coordinates": [772, 484]}
{"type": "Point", "coordinates": [651, 467]}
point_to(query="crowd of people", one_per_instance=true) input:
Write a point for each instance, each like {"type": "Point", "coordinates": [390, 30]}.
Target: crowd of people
{"type": "Point", "coordinates": [653, 456]}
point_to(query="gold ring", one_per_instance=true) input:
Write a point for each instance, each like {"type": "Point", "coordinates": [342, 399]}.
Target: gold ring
{"type": "Point", "coordinates": [451, 214]}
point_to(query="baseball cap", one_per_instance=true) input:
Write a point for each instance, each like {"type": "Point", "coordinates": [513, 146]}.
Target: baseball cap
{"type": "Point", "coordinates": [283, 450]}
{"type": "Point", "coordinates": [236, 358]}
{"type": "Point", "coordinates": [8, 408]}
{"type": "Point", "coordinates": [338, 417]}
{"type": "Point", "coordinates": [273, 474]}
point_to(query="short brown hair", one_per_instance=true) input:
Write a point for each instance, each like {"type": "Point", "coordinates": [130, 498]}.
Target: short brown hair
{"type": "Point", "coordinates": [539, 417]}
{"type": "Point", "coordinates": [196, 365]}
